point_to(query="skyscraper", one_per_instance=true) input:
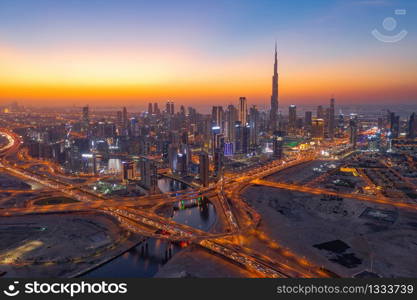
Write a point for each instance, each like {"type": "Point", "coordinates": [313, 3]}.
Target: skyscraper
{"type": "Point", "coordinates": [156, 109]}
{"type": "Point", "coordinates": [394, 123]}
{"type": "Point", "coordinates": [169, 107]}
{"type": "Point", "coordinates": [128, 170]}
{"type": "Point", "coordinates": [353, 130]}
{"type": "Point", "coordinates": [412, 126]}
{"type": "Point", "coordinates": [274, 97]}
{"type": "Point", "coordinates": [308, 121]}
{"type": "Point", "coordinates": [85, 118]}
{"type": "Point", "coordinates": [292, 119]}
{"type": "Point", "coordinates": [331, 123]}
{"type": "Point", "coordinates": [317, 131]}
{"type": "Point", "coordinates": [231, 118]}
{"type": "Point", "coordinates": [243, 110]}
{"type": "Point", "coordinates": [254, 125]}
{"type": "Point", "coordinates": [204, 168]}
{"type": "Point", "coordinates": [320, 112]}
{"type": "Point", "coordinates": [277, 146]}
{"type": "Point", "coordinates": [217, 116]}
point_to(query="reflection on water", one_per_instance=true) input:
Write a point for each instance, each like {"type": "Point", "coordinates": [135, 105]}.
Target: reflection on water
{"type": "Point", "coordinates": [146, 259]}
{"type": "Point", "coordinates": [197, 213]}
{"type": "Point", "coordinates": [166, 185]}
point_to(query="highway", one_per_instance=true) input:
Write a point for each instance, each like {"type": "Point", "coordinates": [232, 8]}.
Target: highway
{"type": "Point", "coordinates": [239, 217]}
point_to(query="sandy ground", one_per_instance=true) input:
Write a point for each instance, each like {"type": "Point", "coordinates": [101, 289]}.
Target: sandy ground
{"type": "Point", "coordinates": [298, 221]}
{"type": "Point", "coordinates": [59, 245]}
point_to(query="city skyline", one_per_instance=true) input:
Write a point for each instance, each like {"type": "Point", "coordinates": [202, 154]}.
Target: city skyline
{"type": "Point", "coordinates": [74, 55]}
{"type": "Point", "coordinates": [208, 139]}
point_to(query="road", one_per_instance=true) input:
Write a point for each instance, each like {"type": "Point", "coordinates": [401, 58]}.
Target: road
{"type": "Point", "coordinates": [238, 216]}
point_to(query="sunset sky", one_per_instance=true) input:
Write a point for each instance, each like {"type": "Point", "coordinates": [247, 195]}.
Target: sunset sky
{"type": "Point", "coordinates": [108, 52]}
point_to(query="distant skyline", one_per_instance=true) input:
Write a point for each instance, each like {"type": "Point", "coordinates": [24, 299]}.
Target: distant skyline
{"type": "Point", "coordinates": [203, 53]}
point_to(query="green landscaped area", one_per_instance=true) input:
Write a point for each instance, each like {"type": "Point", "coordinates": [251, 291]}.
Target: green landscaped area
{"type": "Point", "coordinates": [54, 200]}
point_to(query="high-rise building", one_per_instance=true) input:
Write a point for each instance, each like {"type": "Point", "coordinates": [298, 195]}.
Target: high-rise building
{"type": "Point", "coordinates": [341, 124]}
{"type": "Point", "coordinates": [128, 170]}
{"type": "Point", "coordinates": [86, 117]}
{"type": "Point", "coordinates": [173, 157]}
{"type": "Point", "coordinates": [150, 109]}
{"type": "Point", "coordinates": [353, 130]}
{"type": "Point", "coordinates": [243, 110]}
{"type": "Point", "coordinates": [204, 168]}
{"type": "Point", "coordinates": [331, 122]}
{"type": "Point", "coordinates": [245, 139]}
{"type": "Point", "coordinates": [148, 174]}
{"type": "Point", "coordinates": [317, 131]}
{"type": "Point", "coordinates": [169, 107]}
{"type": "Point", "coordinates": [308, 121]}
{"type": "Point", "coordinates": [182, 111]}
{"type": "Point", "coordinates": [182, 164]}
{"type": "Point", "coordinates": [412, 126]}
{"type": "Point", "coordinates": [277, 147]}
{"type": "Point", "coordinates": [228, 149]}
{"type": "Point", "coordinates": [394, 123]}
{"type": "Point", "coordinates": [292, 119]}
{"type": "Point", "coordinates": [125, 120]}
{"type": "Point", "coordinates": [320, 112]}
{"type": "Point", "coordinates": [124, 116]}
{"type": "Point", "coordinates": [119, 118]}
{"type": "Point", "coordinates": [231, 118]}
{"type": "Point", "coordinates": [218, 163]}
{"type": "Point", "coordinates": [273, 118]}
{"type": "Point", "coordinates": [217, 141]}
{"type": "Point", "coordinates": [254, 125]}
{"type": "Point", "coordinates": [217, 116]}
{"type": "Point", "coordinates": [156, 110]}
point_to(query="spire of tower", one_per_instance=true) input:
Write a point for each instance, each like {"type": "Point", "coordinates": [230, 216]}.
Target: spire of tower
{"type": "Point", "coordinates": [274, 96]}
{"type": "Point", "coordinates": [276, 59]}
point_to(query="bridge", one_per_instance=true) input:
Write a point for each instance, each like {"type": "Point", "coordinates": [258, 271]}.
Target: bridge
{"type": "Point", "coordinates": [238, 215]}
{"type": "Point", "coordinates": [319, 191]}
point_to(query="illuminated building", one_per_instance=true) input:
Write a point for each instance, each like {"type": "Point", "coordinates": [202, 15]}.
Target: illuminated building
{"type": "Point", "coordinates": [85, 118]}
{"type": "Point", "coordinates": [277, 147]}
{"type": "Point", "coordinates": [228, 149]}
{"type": "Point", "coordinates": [231, 118]}
{"type": "Point", "coordinates": [217, 116]}
{"type": "Point", "coordinates": [243, 110]}
{"type": "Point", "coordinates": [292, 119]}
{"type": "Point", "coordinates": [204, 168]}
{"type": "Point", "coordinates": [317, 130]}
{"type": "Point", "coordinates": [320, 112]}
{"type": "Point", "coordinates": [128, 170]}
{"type": "Point", "coordinates": [218, 163]}
{"type": "Point", "coordinates": [412, 126]}
{"type": "Point", "coordinates": [353, 130]}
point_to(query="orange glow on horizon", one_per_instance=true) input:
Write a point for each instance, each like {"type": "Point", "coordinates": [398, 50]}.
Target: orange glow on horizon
{"type": "Point", "coordinates": [136, 75]}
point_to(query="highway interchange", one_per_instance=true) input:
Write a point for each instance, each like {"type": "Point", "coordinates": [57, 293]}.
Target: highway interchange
{"type": "Point", "coordinates": [138, 214]}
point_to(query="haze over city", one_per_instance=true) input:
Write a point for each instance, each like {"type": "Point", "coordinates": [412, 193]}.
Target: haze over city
{"type": "Point", "coordinates": [208, 139]}
{"type": "Point", "coordinates": [98, 52]}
